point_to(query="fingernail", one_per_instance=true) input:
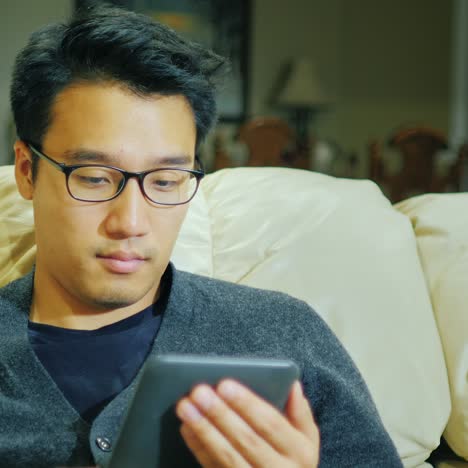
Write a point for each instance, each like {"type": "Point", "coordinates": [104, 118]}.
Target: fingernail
{"type": "Point", "coordinates": [188, 412]}
{"type": "Point", "coordinates": [204, 397]}
{"type": "Point", "coordinates": [229, 389]}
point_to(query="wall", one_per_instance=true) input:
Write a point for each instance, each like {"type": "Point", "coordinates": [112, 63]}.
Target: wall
{"type": "Point", "coordinates": [459, 81]}
{"type": "Point", "coordinates": [386, 62]}
{"type": "Point", "coordinates": [18, 18]}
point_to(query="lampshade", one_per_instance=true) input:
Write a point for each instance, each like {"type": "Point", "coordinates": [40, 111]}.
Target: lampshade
{"type": "Point", "coordinates": [302, 87]}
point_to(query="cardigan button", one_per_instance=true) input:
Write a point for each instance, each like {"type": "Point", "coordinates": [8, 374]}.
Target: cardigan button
{"type": "Point", "coordinates": [104, 444]}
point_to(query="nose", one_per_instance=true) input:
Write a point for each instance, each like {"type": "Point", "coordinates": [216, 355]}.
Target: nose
{"type": "Point", "coordinates": [128, 213]}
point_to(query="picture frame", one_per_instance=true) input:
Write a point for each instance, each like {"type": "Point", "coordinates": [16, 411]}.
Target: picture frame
{"type": "Point", "coordinates": [221, 25]}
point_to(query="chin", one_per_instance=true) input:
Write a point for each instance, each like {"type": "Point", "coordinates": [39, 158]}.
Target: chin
{"type": "Point", "coordinates": [117, 298]}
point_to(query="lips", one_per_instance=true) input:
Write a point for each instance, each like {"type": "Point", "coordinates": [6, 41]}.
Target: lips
{"type": "Point", "coordinates": [122, 262]}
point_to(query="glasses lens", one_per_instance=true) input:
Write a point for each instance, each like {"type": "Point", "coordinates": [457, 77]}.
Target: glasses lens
{"type": "Point", "coordinates": [94, 183]}
{"type": "Point", "coordinates": [170, 187]}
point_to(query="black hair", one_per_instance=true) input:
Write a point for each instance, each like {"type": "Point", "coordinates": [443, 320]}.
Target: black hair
{"type": "Point", "coordinates": [101, 43]}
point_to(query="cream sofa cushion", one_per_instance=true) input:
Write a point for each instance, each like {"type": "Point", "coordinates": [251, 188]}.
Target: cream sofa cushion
{"type": "Point", "coordinates": [441, 226]}
{"type": "Point", "coordinates": [17, 246]}
{"type": "Point", "coordinates": [335, 243]}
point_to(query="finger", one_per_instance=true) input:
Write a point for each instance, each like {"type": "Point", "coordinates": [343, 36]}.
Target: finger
{"type": "Point", "coordinates": [195, 446]}
{"type": "Point", "coordinates": [239, 434]}
{"type": "Point", "coordinates": [208, 445]}
{"type": "Point", "coordinates": [299, 413]}
{"type": "Point", "coordinates": [265, 419]}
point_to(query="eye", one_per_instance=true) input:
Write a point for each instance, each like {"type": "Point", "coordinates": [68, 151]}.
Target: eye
{"type": "Point", "coordinates": [95, 177]}
{"type": "Point", "coordinates": [165, 181]}
{"type": "Point", "coordinates": [93, 180]}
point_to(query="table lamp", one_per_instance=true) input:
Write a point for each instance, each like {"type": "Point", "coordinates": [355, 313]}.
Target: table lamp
{"type": "Point", "coordinates": [303, 95]}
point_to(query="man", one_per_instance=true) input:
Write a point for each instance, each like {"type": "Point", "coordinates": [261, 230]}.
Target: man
{"type": "Point", "coordinates": [110, 110]}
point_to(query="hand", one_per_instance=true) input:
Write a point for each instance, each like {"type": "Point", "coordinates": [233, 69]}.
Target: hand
{"type": "Point", "coordinates": [233, 427]}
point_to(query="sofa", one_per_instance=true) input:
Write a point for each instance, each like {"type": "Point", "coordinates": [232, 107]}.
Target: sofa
{"type": "Point", "coordinates": [391, 281]}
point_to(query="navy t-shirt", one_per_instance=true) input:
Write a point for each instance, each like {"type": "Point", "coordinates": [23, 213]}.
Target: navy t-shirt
{"type": "Point", "coordinates": [91, 367]}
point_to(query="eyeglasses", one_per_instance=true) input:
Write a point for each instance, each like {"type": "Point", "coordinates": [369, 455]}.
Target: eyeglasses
{"type": "Point", "coordinates": [96, 183]}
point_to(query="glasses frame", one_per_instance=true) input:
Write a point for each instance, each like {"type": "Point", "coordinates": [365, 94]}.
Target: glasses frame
{"type": "Point", "coordinates": [67, 169]}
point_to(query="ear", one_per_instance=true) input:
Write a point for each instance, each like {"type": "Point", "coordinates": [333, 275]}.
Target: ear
{"type": "Point", "coordinates": [23, 170]}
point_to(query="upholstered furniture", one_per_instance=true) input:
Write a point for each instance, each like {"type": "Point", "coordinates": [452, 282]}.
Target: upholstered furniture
{"type": "Point", "coordinates": [391, 281]}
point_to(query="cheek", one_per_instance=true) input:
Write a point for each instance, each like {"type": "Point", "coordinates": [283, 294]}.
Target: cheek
{"type": "Point", "coordinates": [61, 228]}
{"type": "Point", "coordinates": [54, 213]}
{"type": "Point", "coordinates": [57, 235]}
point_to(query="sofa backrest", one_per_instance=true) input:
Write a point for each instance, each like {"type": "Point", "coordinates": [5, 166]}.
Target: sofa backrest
{"type": "Point", "coordinates": [441, 226]}
{"type": "Point", "coordinates": [337, 244]}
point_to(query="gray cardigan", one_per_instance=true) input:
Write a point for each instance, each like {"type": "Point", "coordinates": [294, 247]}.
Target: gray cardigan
{"type": "Point", "coordinates": [39, 428]}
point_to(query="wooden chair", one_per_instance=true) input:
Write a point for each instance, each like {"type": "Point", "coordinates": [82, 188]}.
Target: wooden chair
{"type": "Point", "coordinates": [418, 147]}
{"type": "Point", "coordinates": [270, 142]}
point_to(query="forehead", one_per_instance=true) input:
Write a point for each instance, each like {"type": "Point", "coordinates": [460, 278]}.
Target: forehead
{"type": "Point", "coordinates": [111, 119]}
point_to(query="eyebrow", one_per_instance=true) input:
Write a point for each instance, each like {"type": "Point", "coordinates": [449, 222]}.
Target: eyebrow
{"type": "Point", "coordinates": [85, 156]}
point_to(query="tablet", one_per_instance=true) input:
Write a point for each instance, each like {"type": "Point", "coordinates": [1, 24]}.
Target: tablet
{"type": "Point", "coordinates": [150, 437]}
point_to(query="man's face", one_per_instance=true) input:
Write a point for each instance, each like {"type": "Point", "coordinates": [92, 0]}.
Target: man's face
{"type": "Point", "coordinates": [82, 247]}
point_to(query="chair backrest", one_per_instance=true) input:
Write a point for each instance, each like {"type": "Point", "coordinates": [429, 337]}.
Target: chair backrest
{"type": "Point", "coordinates": [268, 139]}
{"type": "Point", "coordinates": [418, 147]}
